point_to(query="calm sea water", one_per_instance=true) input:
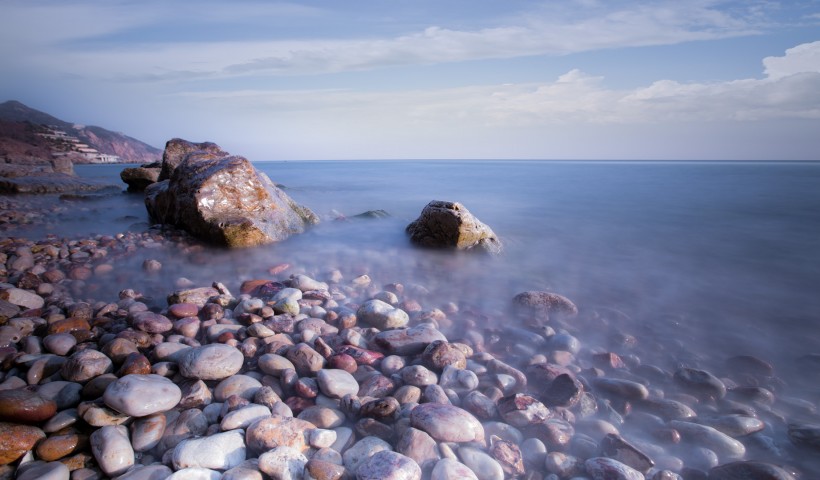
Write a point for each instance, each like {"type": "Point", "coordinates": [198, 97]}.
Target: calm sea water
{"type": "Point", "coordinates": [697, 261]}
{"type": "Point", "coordinates": [707, 260]}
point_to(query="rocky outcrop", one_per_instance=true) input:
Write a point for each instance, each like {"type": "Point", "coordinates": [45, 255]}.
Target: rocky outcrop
{"type": "Point", "coordinates": [451, 225]}
{"type": "Point", "coordinates": [222, 199]}
{"type": "Point", "coordinates": [177, 149]}
{"type": "Point", "coordinates": [53, 176]}
{"type": "Point", "coordinates": [138, 178]}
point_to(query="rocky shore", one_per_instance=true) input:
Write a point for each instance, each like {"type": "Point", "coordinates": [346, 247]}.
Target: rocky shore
{"type": "Point", "coordinates": [321, 375]}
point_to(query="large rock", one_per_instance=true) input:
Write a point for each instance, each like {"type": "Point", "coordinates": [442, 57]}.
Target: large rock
{"type": "Point", "coordinates": [176, 149]}
{"type": "Point", "coordinates": [138, 178]}
{"type": "Point", "coordinates": [450, 225]}
{"type": "Point", "coordinates": [224, 200]}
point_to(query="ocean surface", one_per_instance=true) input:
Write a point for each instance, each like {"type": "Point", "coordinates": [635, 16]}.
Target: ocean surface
{"type": "Point", "coordinates": [698, 261]}
{"type": "Point", "coordinates": [717, 258]}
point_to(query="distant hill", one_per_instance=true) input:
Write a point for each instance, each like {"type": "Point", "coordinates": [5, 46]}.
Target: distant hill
{"type": "Point", "coordinates": [129, 150]}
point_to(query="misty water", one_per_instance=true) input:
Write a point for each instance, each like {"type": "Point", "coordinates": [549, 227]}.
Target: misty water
{"type": "Point", "coordinates": [699, 261]}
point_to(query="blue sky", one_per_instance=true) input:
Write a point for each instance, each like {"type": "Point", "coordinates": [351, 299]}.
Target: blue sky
{"type": "Point", "coordinates": [557, 79]}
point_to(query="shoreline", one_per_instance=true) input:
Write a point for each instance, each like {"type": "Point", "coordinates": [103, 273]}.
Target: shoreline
{"type": "Point", "coordinates": [613, 392]}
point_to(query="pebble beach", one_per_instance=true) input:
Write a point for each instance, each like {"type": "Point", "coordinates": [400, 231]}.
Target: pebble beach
{"type": "Point", "coordinates": [110, 370]}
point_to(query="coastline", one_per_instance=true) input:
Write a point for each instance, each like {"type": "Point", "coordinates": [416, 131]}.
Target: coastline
{"type": "Point", "coordinates": [500, 358]}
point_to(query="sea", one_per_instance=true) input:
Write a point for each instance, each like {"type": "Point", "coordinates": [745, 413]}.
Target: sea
{"type": "Point", "coordinates": [720, 258]}
{"type": "Point", "coordinates": [694, 262]}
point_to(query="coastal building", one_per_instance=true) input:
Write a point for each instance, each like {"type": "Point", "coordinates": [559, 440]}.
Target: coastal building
{"type": "Point", "coordinates": [64, 144]}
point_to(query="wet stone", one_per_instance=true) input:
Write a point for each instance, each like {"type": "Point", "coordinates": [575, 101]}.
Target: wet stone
{"type": "Point", "coordinates": [486, 467]}
{"type": "Point", "coordinates": [16, 440]}
{"type": "Point", "coordinates": [615, 447]}
{"type": "Point", "coordinates": [276, 431]}
{"type": "Point", "coordinates": [142, 395]}
{"type": "Point", "coordinates": [241, 385]}
{"type": "Point", "coordinates": [382, 315]}
{"type": "Point", "coordinates": [448, 468]}
{"type": "Point", "coordinates": [25, 405]}
{"type": "Point", "coordinates": [749, 470]}
{"type": "Point", "coordinates": [85, 365]}
{"type": "Point", "coordinates": [508, 455]}
{"type": "Point", "coordinates": [112, 449]}
{"type": "Point", "coordinates": [43, 471]}
{"type": "Point", "coordinates": [146, 432]}
{"type": "Point", "coordinates": [387, 465]}
{"type": "Point", "coordinates": [220, 451]}
{"type": "Point", "coordinates": [362, 450]}
{"type": "Point", "coordinates": [409, 341]}
{"type": "Point", "coordinates": [699, 383]}
{"type": "Point", "coordinates": [336, 383]}
{"type": "Point", "coordinates": [602, 468]}
{"type": "Point", "coordinates": [56, 447]}
{"type": "Point", "coordinates": [565, 391]}
{"type": "Point", "coordinates": [522, 409]}
{"type": "Point", "coordinates": [210, 362]}
{"type": "Point", "coordinates": [316, 469]}
{"type": "Point", "coordinates": [725, 446]}
{"type": "Point", "coordinates": [447, 423]}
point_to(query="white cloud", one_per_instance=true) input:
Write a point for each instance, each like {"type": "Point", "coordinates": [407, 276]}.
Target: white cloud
{"type": "Point", "coordinates": [573, 98]}
{"type": "Point", "coordinates": [800, 59]}
{"type": "Point", "coordinates": [551, 29]}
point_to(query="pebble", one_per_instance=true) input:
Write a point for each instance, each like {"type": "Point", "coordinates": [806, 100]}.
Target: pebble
{"type": "Point", "coordinates": [43, 471]}
{"type": "Point", "coordinates": [484, 466]}
{"type": "Point", "coordinates": [408, 341]}
{"type": "Point", "coordinates": [382, 315]}
{"type": "Point", "coordinates": [147, 472]}
{"type": "Point", "coordinates": [449, 469]}
{"type": "Point", "coordinates": [355, 358]}
{"type": "Point", "coordinates": [387, 465]}
{"type": "Point", "coordinates": [244, 417]}
{"type": "Point", "coordinates": [277, 431]}
{"type": "Point", "coordinates": [336, 383]}
{"type": "Point", "coordinates": [283, 463]}
{"type": "Point", "coordinates": [16, 440]}
{"type": "Point", "coordinates": [112, 449]}
{"type": "Point", "coordinates": [447, 423]}
{"type": "Point", "coordinates": [603, 468]}
{"type": "Point", "coordinates": [214, 361]}
{"type": "Point", "coordinates": [25, 405]}
{"type": "Point", "coordinates": [220, 451]}
{"type": "Point", "coordinates": [725, 446]}
{"type": "Point", "coordinates": [362, 450]}
{"type": "Point", "coordinates": [146, 432]}
{"type": "Point", "coordinates": [243, 386]}
{"type": "Point", "coordinates": [142, 395]}
{"type": "Point", "coordinates": [749, 470]}
{"type": "Point", "coordinates": [85, 365]}
{"type": "Point", "coordinates": [59, 343]}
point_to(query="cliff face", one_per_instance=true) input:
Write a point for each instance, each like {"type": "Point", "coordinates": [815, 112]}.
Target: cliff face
{"type": "Point", "coordinates": [129, 150]}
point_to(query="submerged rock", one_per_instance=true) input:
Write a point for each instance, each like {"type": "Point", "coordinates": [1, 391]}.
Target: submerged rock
{"type": "Point", "coordinates": [450, 225]}
{"type": "Point", "coordinates": [224, 200]}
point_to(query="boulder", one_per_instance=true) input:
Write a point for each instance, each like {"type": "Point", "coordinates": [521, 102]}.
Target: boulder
{"type": "Point", "coordinates": [177, 149]}
{"type": "Point", "coordinates": [138, 178]}
{"type": "Point", "coordinates": [223, 199]}
{"type": "Point", "coordinates": [450, 225]}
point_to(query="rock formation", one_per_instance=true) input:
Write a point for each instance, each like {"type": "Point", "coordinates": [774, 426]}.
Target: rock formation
{"type": "Point", "coordinates": [222, 199]}
{"type": "Point", "coordinates": [450, 225]}
{"type": "Point", "coordinates": [138, 178]}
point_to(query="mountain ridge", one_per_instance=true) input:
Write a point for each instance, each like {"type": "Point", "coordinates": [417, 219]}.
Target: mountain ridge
{"type": "Point", "coordinates": [107, 142]}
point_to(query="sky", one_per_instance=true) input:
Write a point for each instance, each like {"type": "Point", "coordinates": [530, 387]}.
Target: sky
{"type": "Point", "coordinates": [416, 79]}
